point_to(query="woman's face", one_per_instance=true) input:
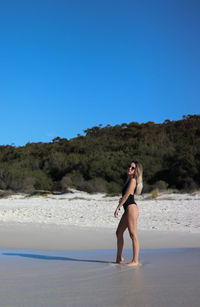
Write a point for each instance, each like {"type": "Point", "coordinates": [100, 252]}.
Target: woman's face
{"type": "Point", "coordinates": [131, 168]}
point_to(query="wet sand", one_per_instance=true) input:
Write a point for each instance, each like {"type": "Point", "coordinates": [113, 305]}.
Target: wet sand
{"type": "Point", "coordinates": [53, 237]}
{"type": "Point", "coordinates": [47, 265]}
{"type": "Point", "coordinates": [168, 277]}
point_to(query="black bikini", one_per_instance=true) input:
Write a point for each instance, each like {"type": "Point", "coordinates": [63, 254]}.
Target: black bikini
{"type": "Point", "coordinates": [130, 200]}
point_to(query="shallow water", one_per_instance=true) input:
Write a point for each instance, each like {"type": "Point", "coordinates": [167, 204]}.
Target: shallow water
{"type": "Point", "coordinates": [168, 277]}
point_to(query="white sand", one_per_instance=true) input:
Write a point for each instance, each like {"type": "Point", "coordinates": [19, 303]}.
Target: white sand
{"type": "Point", "coordinates": [174, 212]}
{"type": "Point", "coordinates": [82, 221]}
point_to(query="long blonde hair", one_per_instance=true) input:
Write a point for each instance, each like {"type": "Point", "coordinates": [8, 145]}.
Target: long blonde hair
{"type": "Point", "coordinates": [138, 177]}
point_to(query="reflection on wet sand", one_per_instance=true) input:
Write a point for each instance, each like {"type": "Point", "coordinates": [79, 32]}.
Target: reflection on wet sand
{"type": "Point", "coordinates": [90, 278]}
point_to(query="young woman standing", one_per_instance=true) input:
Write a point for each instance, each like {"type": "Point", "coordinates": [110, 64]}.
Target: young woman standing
{"type": "Point", "coordinates": [133, 185]}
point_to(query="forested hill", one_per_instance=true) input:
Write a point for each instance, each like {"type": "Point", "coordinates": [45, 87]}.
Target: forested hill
{"type": "Point", "coordinates": [97, 161]}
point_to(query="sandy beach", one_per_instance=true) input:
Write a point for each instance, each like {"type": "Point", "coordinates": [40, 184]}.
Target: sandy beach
{"type": "Point", "coordinates": [174, 212]}
{"type": "Point", "coordinates": [60, 251]}
{"type": "Point", "coordinates": [78, 220]}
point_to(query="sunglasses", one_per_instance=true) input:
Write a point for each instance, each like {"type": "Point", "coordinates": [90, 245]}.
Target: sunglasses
{"type": "Point", "coordinates": [131, 167]}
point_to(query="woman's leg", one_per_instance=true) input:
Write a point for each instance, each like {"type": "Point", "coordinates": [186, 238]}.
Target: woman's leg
{"type": "Point", "coordinates": [132, 216]}
{"type": "Point", "coordinates": [123, 224]}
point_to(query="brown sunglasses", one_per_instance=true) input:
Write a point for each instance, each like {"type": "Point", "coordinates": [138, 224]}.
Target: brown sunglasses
{"type": "Point", "coordinates": [132, 167]}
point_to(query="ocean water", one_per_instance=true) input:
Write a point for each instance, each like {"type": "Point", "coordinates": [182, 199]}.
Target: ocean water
{"type": "Point", "coordinates": [165, 277]}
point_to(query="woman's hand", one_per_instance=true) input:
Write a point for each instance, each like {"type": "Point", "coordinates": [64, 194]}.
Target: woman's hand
{"type": "Point", "coordinates": [116, 212]}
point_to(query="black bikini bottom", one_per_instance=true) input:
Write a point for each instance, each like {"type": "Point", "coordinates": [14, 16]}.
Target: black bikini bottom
{"type": "Point", "coordinates": [129, 201]}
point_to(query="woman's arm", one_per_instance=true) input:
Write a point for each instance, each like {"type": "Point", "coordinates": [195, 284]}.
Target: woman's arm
{"type": "Point", "coordinates": [129, 190]}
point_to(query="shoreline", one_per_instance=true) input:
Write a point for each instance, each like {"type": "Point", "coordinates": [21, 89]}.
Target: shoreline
{"type": "Point", "coordinates": [52, 237]}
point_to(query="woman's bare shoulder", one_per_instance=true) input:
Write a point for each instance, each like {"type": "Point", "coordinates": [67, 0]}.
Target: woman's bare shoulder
{"type": "Point", "coordinates": [132, 181]}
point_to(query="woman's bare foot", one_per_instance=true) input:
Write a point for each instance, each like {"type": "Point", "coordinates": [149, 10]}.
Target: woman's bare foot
{"type": "Point", "coordinates": [120, 260]}
{"type": "Point", "coordinates": [132, 263]}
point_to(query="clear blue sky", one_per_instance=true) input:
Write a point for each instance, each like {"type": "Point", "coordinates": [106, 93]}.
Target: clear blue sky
{"type": "Point", "coordinates": [69, 65]}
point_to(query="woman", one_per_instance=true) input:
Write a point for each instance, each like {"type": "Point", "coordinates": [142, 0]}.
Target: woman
{"type": "Point", "coordinates": [133, 185]}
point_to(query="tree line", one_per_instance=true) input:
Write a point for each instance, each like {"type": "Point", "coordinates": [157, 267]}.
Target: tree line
{"type": "Point", "coordinates": [97, 161]}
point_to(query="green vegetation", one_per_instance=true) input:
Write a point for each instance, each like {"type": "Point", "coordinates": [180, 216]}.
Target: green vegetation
{"type": "Point", "coordinates": [97, 161]}
{"type": "Point", "coordinates": [154, 194]}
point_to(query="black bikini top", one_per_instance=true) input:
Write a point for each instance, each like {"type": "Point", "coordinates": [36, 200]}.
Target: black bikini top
{"type": "Point", "coordinates": [125, 188]}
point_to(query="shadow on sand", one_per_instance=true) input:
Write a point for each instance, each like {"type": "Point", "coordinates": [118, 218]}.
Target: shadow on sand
{"type": "Point", "coordinates": [45, 257]}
